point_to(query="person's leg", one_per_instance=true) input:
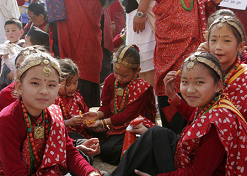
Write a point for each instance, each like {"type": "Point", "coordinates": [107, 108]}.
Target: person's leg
{"type": "Point", "coordinates": [111, 149]}
{"type": "Point", "coordinates": [170, 117]}
{"type": "Point", "coordinates": [152, 153]}
{"type": "Point", "coordinates": [90, 92]}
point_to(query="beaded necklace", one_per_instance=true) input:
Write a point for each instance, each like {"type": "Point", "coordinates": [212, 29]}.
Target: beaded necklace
{"type": "Point", "coordinates": [228, 74]}
{"type": "Point", "coordinates": [63, 109]}
{"type": "Point", "coordinates": [125, 95]}
{"type": "Point", "coordinates": [32, 134]}
{"type": "Point", "coordinates": [186, 8]}
{"type": "Point", "coordinates": [207, 108]}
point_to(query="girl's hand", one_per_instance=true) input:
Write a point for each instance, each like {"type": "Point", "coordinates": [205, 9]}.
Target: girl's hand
{"type": "Point", "coordinates": [169, 82]}
{"type": "Point", "coordinates": [139, 129]}
{"type": "Point", "coordinates": [96, 127]}
{"type": "Point", "coordinates": [141, 173]}
{"type": "Point", "coordinates": [74, 121]}
{"type": "Point", "coordinates": [90, 147]}
{"type": "Point", "coordinates": [90, 116]}
{"type": "Point", "coordinates": [94, 173]}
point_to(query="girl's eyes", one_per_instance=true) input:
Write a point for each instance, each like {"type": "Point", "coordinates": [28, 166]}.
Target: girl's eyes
{"type": "Point", "coordinates": [35, 83]}
{"type": "Point", "coordinates": [227, 40]}
{"type": "Point", "coordinates": [52, 85]}
{"type": "Point", "coordinates": [199, 82]}
{"type": "Point", "coordinates": [184, 82]}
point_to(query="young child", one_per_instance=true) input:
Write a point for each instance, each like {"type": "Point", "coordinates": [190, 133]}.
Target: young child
{"type": "Point", "coordinates": [213, 139]}
{"type": "Point", "coordinates": [33, 138]}
{"type": "Point", "coordinates": [13, 32]}
{"type": "Point", "coordinates": [9, 94]}
{"type": "Point", "coordinates": [71, 101]}
{"type": "Point", "coordinates": [124, 97]}
{"type": "Point", "coordinates": [35, 36]}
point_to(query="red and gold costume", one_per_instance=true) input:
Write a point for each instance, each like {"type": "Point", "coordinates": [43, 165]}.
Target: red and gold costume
{"type": "Point", "coordinates": [53, 154]}
{"type": "Point", "coordinates": [140, 101]}
{"type": "Point", "coordinates": [231, 129]}
{"type": "Point", "coordinates": [71, 106]}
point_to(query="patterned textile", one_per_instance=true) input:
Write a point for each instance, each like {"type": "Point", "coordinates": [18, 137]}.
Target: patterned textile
{"type": "Point", "coordinates": [137, 88]}
{"type": "Point", "coordinates": [56, 10]}
{"type": "Point", "coordinates": [232, 131]}
{"type": "Point", "coordinates": [53, 150]}
{"type": "Point", "coordinates": [73, 106]}
{"type": "Point", "coordinates": [178, 33]}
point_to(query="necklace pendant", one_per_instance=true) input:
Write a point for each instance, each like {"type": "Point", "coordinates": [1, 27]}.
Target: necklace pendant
{"type": "Point", "coordinates": [120, 91]}
{"type": "Point", "coordinates": [39, 132]}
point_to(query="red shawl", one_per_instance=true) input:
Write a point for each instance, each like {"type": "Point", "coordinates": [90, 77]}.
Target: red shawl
{"type": "Point", "coordinates": [137, 88]}
{"type": "Point", "coordinates": [232, 131]}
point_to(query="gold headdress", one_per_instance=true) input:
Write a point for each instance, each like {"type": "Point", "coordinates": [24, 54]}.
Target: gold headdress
{"type": "Point", "coordinates": [191, 62]}
{"type": "Point", "coordinates": [44, 58]}
{"type": "Point", "coordinates": [120, 60]}
{"type": "Point", "coordinates": [219, 22]}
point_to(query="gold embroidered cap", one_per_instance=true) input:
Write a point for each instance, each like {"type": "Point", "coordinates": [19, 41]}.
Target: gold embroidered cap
{"type": "Point", "coordinates": [43, 58]}
{"type": "Point", "coordinates": [120, 60]}
{"type": "Point", "coordinates": [191, 62]}
{"type": "Point", "coordinates": [219, 22]}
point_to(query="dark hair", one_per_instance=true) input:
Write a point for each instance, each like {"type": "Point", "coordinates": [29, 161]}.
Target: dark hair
{"type": "Point", "coordinates": [236, 33]}
{"type": "Point", "coordinates": [131, 56]}
{"type": "Point", "coordinates": [209, 57]}
{"type": "Point", "coordinates": [38, 37]}
{"type": "Point", "coordinates": [37, 9]}
{"type": "Point", "coordinates": [13, 21]}
{"type": "Point", "coordinates": [218, 13]}
{"type": "Point", "coordinates": [68, 69]}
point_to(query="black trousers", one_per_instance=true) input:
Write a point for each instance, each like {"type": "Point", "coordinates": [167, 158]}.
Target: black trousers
{"type": "Point", "coordinates": [152, 153]}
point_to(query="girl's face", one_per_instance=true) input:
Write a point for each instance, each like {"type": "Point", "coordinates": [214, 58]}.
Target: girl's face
{"type": "Point", "coordinates": [124, 74]}
{"type": "Point", "coordinates": [224, 45]}
{"type": "Point", "coordinates": [38, 91]}
{"type": "Point", "coordinates": [69, 88]}
{"type": "Point", "coordinates": [197, 86]}
{"type": "Point", "coordinates": [13, 32]}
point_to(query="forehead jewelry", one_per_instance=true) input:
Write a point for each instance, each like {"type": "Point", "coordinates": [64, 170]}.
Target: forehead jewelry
{"type": "Point", "coordinates": [191, 63]}
{"type": "Point", "coordinates": [120, 60]}
{"type": "Point", "coordinates": [46, 69]}
{"type": "Point", "coordinates": [219, 22]}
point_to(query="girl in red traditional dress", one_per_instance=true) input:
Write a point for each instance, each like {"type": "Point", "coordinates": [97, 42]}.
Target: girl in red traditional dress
{"type": "Point", "coordinates": [33, 137]}
{"type": "Point", "coordinates": [124, 97]}
{"type": "Point", "coordinates": [226, 39]}
{"type": "Point", "coordinates": [71, 101]}
{"type": "Point", "coordinates": [212, 143]}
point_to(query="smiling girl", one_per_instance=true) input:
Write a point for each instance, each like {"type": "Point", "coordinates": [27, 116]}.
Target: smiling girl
{"type": "Point", "coordinates": [33, 138]}
{"type": "Point", "coordinates": [211, 141]}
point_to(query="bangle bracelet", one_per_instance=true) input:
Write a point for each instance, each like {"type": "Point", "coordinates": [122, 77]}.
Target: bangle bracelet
{"type": "Point", "coordinates": [105, 124]}
{"type": "Point", "coordinates": [97, 115]}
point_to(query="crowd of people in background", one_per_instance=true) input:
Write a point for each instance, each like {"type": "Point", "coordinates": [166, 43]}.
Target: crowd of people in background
{"type": "Point", "coordinates": [132, 60]}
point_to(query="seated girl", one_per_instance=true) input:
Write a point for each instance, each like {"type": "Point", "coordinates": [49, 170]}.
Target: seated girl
{"type": "Point", "coordinates": [212, 143]}
{"type": "Point", "coordinates": [124, 97]}
{"type": "Point", "coordinates": [33, 137]}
